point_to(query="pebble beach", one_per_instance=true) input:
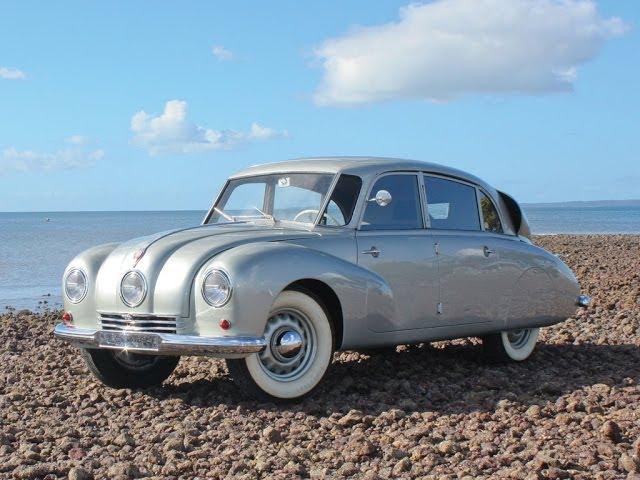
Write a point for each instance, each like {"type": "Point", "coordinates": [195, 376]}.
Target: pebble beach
{"type": "Point", "coordinates": [428, 411]}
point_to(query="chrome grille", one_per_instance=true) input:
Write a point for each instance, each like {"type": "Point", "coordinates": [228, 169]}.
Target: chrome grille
{"type": "Point", "coordinates": [139, 323]}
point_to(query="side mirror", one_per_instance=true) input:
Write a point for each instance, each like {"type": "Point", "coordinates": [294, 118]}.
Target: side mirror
{"type": "Point", "coordinates": [382, 198]}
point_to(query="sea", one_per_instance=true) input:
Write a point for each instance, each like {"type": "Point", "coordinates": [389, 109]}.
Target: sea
{"type": "Point", "coordinates": [36, 247]}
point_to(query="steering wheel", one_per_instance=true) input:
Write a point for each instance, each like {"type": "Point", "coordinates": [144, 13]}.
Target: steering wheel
{"type": "Point", "coordinates": [313, 214]}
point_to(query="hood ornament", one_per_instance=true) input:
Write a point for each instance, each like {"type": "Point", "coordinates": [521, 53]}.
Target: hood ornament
{"type": "Point", "coordinates": [138, 255]}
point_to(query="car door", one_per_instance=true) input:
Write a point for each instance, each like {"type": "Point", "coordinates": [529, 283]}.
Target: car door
{"type": "Point", "coordinates": [472, 287]}
{"type": "Point", "coordinates": [392, 242]}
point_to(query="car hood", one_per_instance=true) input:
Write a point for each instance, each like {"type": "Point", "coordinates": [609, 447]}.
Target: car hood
{"type": "Point", "coordinates": [170, 260]}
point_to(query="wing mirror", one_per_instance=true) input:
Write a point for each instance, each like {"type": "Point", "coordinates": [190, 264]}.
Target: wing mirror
{"type": "Point", "coordinates": [382, 198]}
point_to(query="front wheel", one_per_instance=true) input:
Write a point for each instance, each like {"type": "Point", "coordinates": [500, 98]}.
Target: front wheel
{"type": "Point", "coordinates": [121, 369]}
{"type": "Point", "coordinates": [511, 345]}
{"type": "Point", "coordinates": [300, 343]}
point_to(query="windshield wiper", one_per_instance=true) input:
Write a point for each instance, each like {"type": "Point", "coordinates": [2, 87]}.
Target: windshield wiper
{"type": "Point", "coordinates": [226, 216]}
{"type": "Point", "coordinates": [265, 215]}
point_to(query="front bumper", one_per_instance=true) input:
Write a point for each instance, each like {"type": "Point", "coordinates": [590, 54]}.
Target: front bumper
{"type": "Point", "coordinates": [159, 343]}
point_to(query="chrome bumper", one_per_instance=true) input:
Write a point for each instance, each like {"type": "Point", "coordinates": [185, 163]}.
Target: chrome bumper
{"type": "Point", "coordinates": [159, 343]}
{"type": "Point", "coordinates": [583, 300]}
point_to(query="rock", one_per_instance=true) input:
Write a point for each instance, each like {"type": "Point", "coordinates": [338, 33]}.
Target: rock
{"type": "Point", "coordinates": [124, 469]}
{"type": "Point", "coordinates": [611, 430]}
{"type": "Point", "coordinates": [446, 447]}
{"type": "Point", "coordinates": [403, 465]}
{"type": "Point", "coordinates": [352, 418]}
{"type": "Point", "coordinates": [123, 439]}
{"type": "Point", "coordinates": [628, 463]}
{"type": "Point", "coordinates": [77, 473]}
{"type": "Point", "coordinates": [272, 435]}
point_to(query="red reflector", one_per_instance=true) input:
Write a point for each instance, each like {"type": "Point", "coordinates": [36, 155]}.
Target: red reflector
{"type": "Point", "coordinates": [225, 324]}
{"type": "Point", "coordinates": [67, 318]}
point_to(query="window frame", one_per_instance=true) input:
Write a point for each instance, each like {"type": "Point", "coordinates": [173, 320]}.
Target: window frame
{"type": "Point", "coordinates": [421, 198]}
{"type": "Point", "coordinates": [482, 190]}
{"type": "Point", "coordinates": [463, 182]}
{"type": "Point", "coordinates": [270, 193]}
{"type": "Point", "coordinates": [325, 205]}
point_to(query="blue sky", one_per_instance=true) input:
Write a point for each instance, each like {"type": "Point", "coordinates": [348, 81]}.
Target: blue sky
{"type": "Point", "coordinates": [549, 116]}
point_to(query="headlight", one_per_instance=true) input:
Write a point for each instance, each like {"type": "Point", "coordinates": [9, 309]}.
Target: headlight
{"type": "Point", "coordinates": [133, 289]}
{"type": "Point", "coordinates": [75, 285]}
{"type": "Point", "coordinates": [216, 288]}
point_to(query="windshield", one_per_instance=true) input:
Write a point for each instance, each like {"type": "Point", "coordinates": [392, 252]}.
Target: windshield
{"type": "Point", "coordinates": [294, 197]}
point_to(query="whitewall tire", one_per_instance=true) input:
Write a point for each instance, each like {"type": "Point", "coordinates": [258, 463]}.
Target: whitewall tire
{"type": "Point", "coordinates": [511, 345]}
{"type": "Point", "coordinates": [300, 345]}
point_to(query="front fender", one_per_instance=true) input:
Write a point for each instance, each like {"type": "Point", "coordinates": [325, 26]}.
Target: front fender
{"type": "Point", "coordinates": [260, 271]}
{"type": "Point", "coordinates": [89, 261]}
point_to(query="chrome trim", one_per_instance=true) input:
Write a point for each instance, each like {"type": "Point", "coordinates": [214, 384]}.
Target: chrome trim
{"type": "Point", "coordinates": [144, 282]}
{"type": "Point", "coordinates": [583, 300]}
{"type": "Point", "coordinates": [86, 284]}
{"type": "Point", "coordinates": [140, 322]}
{"type": "Point", "coordinates": [164, 343]}
{"type": "Point", "coordinates": [224, 274]}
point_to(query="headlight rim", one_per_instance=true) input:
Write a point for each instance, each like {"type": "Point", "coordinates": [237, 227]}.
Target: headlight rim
{"type": "Point", "coordinates": [227, 277]}
{"type": "Point", "coordinates": [86, 284]}
{"type": "Point", "coordinates": [144, 286]}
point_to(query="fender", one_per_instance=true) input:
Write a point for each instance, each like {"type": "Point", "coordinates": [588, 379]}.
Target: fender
{"type": "Point", "coordinates": [90, 261]}
{"type": "Point", "coordinates": [260, 271]}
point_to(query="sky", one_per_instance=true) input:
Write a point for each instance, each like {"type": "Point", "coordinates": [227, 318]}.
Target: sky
{"type": "Point", "coordinates": [151, 105]}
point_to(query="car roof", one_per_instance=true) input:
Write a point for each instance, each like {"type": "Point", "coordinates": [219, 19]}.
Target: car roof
{"type": "Point", "coordinates": [362, 166]}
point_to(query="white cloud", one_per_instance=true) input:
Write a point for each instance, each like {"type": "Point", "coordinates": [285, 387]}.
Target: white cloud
{"type": "Point", "coordinates": [13, 160]}
{"type": "Point", "coordinates": [447, 48]}
{"type": "Point", "coordinates": [12, 73]}
{"type": "Point", "coordinates": [77, 140]}
{"type": "Point", "coordinates": [171, 132]}
{"type": "Point", "coordinates": [221, 53]}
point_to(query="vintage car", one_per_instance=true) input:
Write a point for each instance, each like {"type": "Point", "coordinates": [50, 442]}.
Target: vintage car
{"type": "Point", "coordinates": [298, 259]}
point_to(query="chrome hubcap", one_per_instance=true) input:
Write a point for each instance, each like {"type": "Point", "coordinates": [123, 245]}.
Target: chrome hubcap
{"type": "Point", "coordinates": [518, 338]}
{"type": "Point", "coordinates": [291, 345]}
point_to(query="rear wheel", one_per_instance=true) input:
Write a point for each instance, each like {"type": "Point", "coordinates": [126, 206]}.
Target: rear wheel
{"type": "Point", "coordinates": [120, 369]}
{"type": "Point", "coordinates": [299, 349]}
{"type": "Point", "coordinates": [511, 345]}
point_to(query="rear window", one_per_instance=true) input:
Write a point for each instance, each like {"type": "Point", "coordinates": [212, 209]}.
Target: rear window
{"type": "Point", "coordinates": [451, 205]}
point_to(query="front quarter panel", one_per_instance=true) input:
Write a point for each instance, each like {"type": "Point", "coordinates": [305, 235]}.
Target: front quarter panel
{"type": "Point", "coordinates": [89, 261]}
{"type": "Point", "coordinates": [260, 271]}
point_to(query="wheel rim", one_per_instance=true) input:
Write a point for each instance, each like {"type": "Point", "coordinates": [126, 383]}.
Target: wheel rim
{"type": "Point", "coordinates": [133, 361]}
{"type": "Point", "coordinates": [518, 338]}
{"type": "Point", "coordinates": [291, 345]}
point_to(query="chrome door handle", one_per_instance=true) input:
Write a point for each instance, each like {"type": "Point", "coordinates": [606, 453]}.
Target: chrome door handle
{"type": "Point", "coordinates": [488, 251]}
{"type": "Point", "coordinates": [373, 251]}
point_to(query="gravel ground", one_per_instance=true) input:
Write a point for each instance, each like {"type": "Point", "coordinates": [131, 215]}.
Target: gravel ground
{"type": "Point", "coordinates": [571, 411]}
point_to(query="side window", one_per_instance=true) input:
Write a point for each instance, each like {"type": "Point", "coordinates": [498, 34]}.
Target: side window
{"type": "Point", "coordinates": [343, 201]}
{"type": "Point", "coordinates": [402, 212]}
{"type": "Point", "coordinates": [490, 216]}
{"type": "Point", "coordinates": [451, 205]}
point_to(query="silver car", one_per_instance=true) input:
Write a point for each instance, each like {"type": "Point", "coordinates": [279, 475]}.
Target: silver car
{"type": "Point", "coordinates": [298, 259]}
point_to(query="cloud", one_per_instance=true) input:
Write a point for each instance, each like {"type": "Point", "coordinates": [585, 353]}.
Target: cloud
{"type": "Point", "coordinates": [447, 48]}
{"type": "Point", "coordinates": [171, 132]}
{"type": "Point", "coordinates": [77, 140]}
{"type": "Point", "coordinates": [12, 74]}
{"type": "Point", "coordinates": [221, 53]}
{"type": "Point", "coordinates": [13, 160]}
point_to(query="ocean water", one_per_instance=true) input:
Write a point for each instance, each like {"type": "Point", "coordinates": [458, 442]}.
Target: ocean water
{"type": "Point", "coordinates": [36, 247]}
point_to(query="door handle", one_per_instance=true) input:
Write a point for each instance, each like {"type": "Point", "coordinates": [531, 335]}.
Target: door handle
{"type": "Point", "coordinates": [488, 251]}
{"type": "Point", "coordinates": [373, 251]}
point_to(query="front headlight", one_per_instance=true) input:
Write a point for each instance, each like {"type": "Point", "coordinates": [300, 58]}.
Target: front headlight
{"type": "Point", "coordinates": [216, 288]}
{"type": "Point", "coordinates": [133, 289]}
{"type": "Point", "coordinates": [75, 285]}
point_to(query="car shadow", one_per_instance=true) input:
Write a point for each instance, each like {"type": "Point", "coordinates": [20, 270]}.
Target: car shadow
{"type": "Point", "coordinates": [447, 380]}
